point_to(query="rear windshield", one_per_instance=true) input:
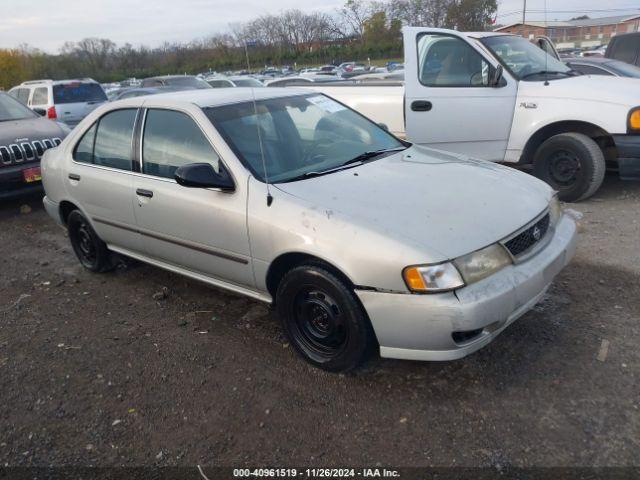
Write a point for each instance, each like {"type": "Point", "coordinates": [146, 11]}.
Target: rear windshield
{"type": "Point", "coordinates": [11, 109]}
{"type": "Point", "coordinates": [78, 93]}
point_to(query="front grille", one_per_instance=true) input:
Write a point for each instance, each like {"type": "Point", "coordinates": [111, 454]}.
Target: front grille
{"type": "Point", "coordinates": [6, 155]}
{"type": "Point", "coordinates": [26, 151]}
{"type": "Point", "coordinates": [529, 237]}
{"type": "Point", "coordinates": [17, 153]}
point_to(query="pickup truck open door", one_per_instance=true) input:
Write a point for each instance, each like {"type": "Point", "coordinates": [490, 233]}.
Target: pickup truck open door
{"type": "Point", "coordinates": [457, 95]}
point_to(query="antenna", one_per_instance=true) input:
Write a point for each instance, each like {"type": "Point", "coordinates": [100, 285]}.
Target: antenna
{"type": "Point", "coordinates": [546, 57]}
{"type": "Point", "coordinates": [255, 111]}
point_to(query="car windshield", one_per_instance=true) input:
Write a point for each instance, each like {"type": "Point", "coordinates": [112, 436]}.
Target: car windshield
{"type": "Point", "coordinates": [78, 92]}
{"type": "Point", "coordinates": [11, 109]}
{"type": "Point", "coordinates": [524, 59]}
{"type": "Point", "coordinates": [191, 82]}
{"type": "Point", "coordinates": [300, 136]}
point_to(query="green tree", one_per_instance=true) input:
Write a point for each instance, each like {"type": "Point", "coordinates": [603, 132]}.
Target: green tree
{"type": "Point", "coordinates": [471, 15]}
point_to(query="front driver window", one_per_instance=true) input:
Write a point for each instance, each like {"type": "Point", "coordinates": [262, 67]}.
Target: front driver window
{"type": "Point", "coordinates": [448, 61]}
{"type": "Point", "coordinates": [171, 140]}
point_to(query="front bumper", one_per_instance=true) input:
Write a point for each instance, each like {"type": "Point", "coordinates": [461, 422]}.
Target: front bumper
{"type": "Point", "coordinates": [421, 327]}
{"type": "Point", "coordinates": [12, 183]}
{"type": "Point", "coordinates": [628, 147]}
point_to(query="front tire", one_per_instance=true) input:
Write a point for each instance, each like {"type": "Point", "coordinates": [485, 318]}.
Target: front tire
{"type": "Point", "coordinates": [572, 163]}
{"type": "Point", "coordinates": [88, 247]}
{"type": "Point", "coordinates": [323, 318]}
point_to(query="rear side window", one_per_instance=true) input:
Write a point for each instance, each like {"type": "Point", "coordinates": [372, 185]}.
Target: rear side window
{"type": "Point", "coordinates": [84, 149]}
{"type": "Point", "coordinates": [78, 93]}
{"type": "Point", "coordinates": [40, 96]}
{"type": "Point", "coordinates": [20, 94]}
{"type": "Point", "coordinates": [625, 48]}
{"type": "Point", "coordinates": [114, 139]}
{"type": "Point", "coordinates": [171, 140]}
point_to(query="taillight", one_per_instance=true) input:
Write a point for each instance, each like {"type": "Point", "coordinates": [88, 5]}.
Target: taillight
{"type": "Point", "coordinates": [51, 112]}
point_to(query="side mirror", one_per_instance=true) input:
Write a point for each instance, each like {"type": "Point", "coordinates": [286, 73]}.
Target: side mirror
{"type": "Point", "coordinates": [496, 77]}
{"type": "Point", "coordinates": [40, 111]}
{"type": "Point", "coordinates": [383, 126]}
{"type": "Point", "coordinates": [202, 175]}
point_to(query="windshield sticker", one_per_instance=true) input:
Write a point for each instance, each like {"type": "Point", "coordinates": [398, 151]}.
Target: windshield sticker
{"type": "Point", "coordinates": [326, 104]}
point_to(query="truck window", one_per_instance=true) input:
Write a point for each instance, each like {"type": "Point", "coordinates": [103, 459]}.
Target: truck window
{"type": "Point", "coordinates": [78, 93]}
{"type": "Point", "coordinates": [625, 49]}
{"type": "Point", "coordinates": [448, 61]}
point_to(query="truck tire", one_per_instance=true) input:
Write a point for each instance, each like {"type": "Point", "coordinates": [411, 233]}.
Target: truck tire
{"type": "Point", "coordinates": [572, 163]}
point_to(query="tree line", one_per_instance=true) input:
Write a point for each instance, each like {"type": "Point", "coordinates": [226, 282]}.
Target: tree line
{"type": "Point", "coordinates": [359, 30]}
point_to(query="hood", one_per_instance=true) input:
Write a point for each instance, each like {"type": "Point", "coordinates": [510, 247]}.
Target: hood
{"type": "Point", "coordinates": [31, 128]}
{"type": "Point", "coordinates": [449, 204]}
{"type": "Point", "coordinates": [597, 88]}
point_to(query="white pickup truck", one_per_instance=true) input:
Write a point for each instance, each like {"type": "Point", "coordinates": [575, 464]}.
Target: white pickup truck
{"type": "Point", "coordinates": [499, 97]}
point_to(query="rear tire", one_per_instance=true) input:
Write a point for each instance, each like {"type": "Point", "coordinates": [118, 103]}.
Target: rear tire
{"type": "Point", "coordinates": [324, 319]}
{"type": "Point", "coordinates": [88, 247]}
{"type": "Point", "coordinates": [572, 163]}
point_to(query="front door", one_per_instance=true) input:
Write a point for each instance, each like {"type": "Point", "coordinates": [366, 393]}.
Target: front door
{"type": "Point", "coordinates": [202, 230]}
{"type": "Point", "coordinates": [451, 100]}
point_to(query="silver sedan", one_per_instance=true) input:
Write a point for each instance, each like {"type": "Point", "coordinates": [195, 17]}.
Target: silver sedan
{"type": "Point", "coordinates": [361, 240]}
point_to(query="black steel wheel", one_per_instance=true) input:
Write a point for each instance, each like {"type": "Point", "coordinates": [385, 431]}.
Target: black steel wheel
{"type": "Point", "coordinates": [572, 163]}
{"type": "Point", "coordinates": [88, 247]}
{"type": "Point", "coordinates": [323, 318]}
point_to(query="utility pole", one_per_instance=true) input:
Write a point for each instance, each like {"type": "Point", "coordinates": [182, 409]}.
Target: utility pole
{"type": "Point", "coordinates": [524, 12]}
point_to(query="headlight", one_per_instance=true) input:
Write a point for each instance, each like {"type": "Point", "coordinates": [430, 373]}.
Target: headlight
{"type": "Point", "coordinates": [432, 278]}
{"type": "Point", "coordinates": [482, 263]}
{"type": "Point", "coordinates": [633, 122]}
{"type": "Point", "coordinates": [555, 210]}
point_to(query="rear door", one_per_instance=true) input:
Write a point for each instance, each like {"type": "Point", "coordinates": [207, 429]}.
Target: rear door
{"type": "Point", "coordinates": [100, 178]}
{"type": "Point", "coordinates": [450, 102]}
{"type": "Point", "coordinates": [75, 100]}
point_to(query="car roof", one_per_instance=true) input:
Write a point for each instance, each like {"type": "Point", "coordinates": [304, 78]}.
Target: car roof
{"type": "Point", "coordinates": [30, 83]}
{"type": "Point", "coordinates": [220, 96]}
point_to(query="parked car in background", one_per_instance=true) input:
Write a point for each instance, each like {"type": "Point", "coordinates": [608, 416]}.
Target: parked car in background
{"type": "Point", "coordinates": [68, 101]}
{"type": "Point", "coordinates": [625, 48]}
{"type": "Point", "coordinates": [234, 81]}
{"type": "Point", "coordinates": [301, 80]}
{"type": "Point", "coordinates": [568, 127]}
{"type": "Point", "coordinates": [350, 69]}
{"type": "Point", "coordinates": [24, 138]}
{"type": "Point", "coordinates": [603, 66]}
{"type": "Point", "coordinates": [594, 52]}
{"type": "Point", "coordinates": [179, 81]}
{"type": "Point", "coordinates": [139, 92]}
{"type": "Point", "coordinates": [278, 206]}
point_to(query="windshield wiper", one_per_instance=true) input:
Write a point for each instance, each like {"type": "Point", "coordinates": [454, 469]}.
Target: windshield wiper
{"type": "Point", "coordinates": [545, 72]}
{"type": "Point", "coordinates": [354, 162]}
{"type": "Point", "coordinates": [371, 154]}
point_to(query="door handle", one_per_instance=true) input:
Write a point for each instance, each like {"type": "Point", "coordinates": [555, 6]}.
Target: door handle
{"type": "Point", "coordinates": [144, 193]}
{"type": "Point", "coordinates": [74, 176]}
{"type": "Point", "coordinates": [421, 106]}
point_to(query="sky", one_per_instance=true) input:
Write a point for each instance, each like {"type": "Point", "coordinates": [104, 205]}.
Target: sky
{"type": "Point", "coordinates": [47, 24]}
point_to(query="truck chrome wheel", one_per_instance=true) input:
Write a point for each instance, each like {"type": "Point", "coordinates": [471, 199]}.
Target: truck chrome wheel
{"type": "Point", "coordinates": [319, 323]}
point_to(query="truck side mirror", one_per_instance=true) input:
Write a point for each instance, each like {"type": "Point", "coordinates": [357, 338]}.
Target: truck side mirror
{"type": "Point", "coordinates": [496, 77]}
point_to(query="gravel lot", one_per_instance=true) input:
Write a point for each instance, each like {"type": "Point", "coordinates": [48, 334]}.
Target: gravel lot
{"type": "Point", "coordinates": [99, 370]}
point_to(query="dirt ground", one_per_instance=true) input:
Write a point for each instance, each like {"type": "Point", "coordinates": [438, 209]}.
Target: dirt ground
{"type": "Point", "coordinates": [98, 370]}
